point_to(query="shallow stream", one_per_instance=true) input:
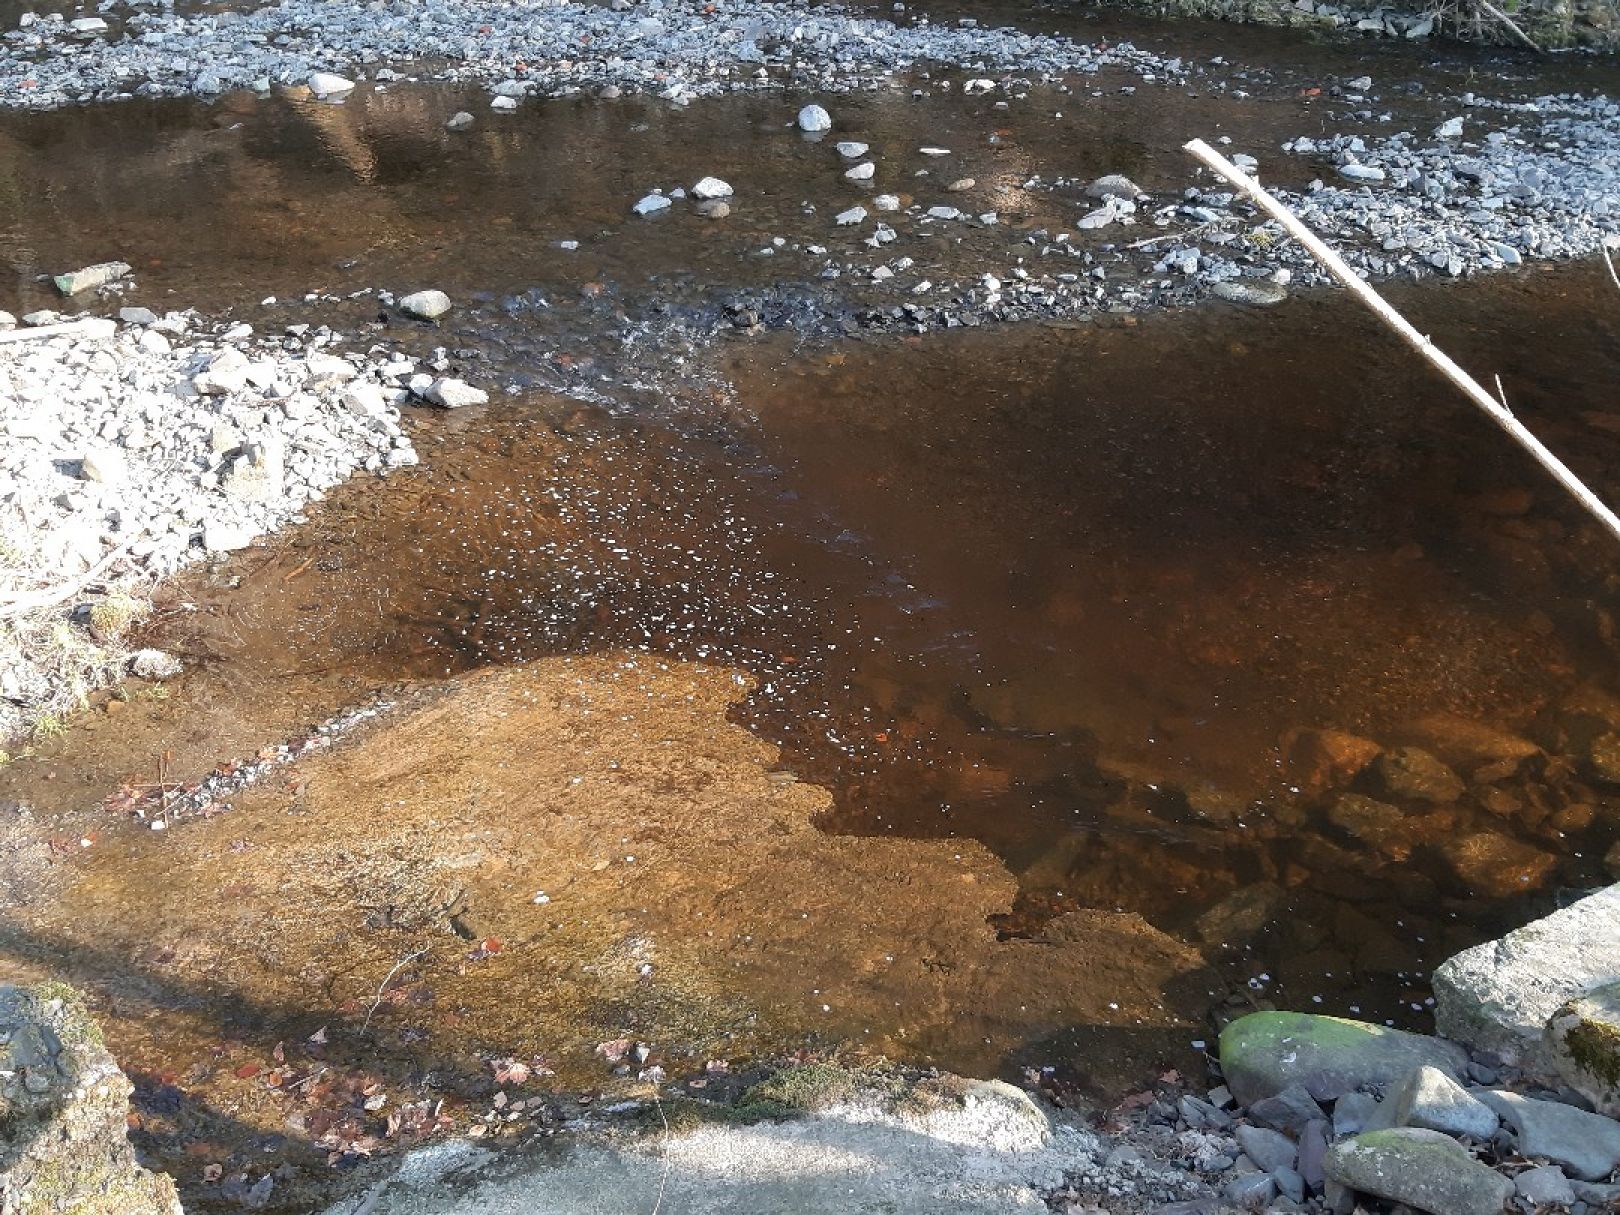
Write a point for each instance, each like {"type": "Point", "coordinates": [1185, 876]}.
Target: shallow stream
{"type": "Point", "coordinates": [1085, 594]}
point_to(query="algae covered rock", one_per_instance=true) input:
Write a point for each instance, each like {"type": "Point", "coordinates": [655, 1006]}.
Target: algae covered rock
{"type": "Point", "coordinates": [1421, 1168]}
{"type": "Point", "coordinates": [1265, 1052]}
{"type": "Point", "coordinates": [1584, 1039]}
{"type": "Point", "coordinates": [63, 1105]}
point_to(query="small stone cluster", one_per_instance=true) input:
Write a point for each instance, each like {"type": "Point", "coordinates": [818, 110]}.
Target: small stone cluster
{"type": "Point", "coordinates": [129, 449]}
{"type": "Point", "coordinates": [1516, 1111]}
{"type": "Point", "coordinates": [679, 49]}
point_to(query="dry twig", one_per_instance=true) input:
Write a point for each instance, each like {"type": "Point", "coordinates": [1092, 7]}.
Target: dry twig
{"type": "Point", "coordinates": [382, 988]}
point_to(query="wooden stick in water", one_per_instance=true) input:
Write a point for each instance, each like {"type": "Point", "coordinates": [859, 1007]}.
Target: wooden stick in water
{"type": "Point", "coordinates": [1470, 387]}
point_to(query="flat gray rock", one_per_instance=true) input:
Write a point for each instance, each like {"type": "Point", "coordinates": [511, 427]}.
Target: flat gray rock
{"type": "Point", "coordinates": [1250, 292]}
{"type": "Point", "coordinates": [1546, 1186]}
{"type": "Point", "coordinates": [1290, 1110]}
{"type": "Point", "coordinates": [1264, 1053]}
{"type": "Point", "coordinates": [1423, 1169]}
{"type": "Point", "coordinates": [1587, 1145]}
{"type": "Point", "coordinates": [1271, 1150]}
{"type": "Point", "coordinates": [1498, 996]}
{"type": "Point", "coordinates": [1430, 1099]}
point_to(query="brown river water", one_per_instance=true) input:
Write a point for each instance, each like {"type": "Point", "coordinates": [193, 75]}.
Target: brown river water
{"type": "Point", "coordinates": [957, 698]}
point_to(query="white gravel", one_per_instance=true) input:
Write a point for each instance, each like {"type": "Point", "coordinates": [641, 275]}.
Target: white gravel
{"type": "Point", "coordinates": [133, 451]}
{"type": "Point", "coordinates": [670, 47]}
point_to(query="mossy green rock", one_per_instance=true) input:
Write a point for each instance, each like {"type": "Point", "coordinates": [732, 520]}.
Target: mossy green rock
{"type": "Point", "coordinates": [63, 1146]}
{"type": "Point", "coordinates": [1583, 1038]}
{"type": "Point", "coordinates": [1265, 1052]}
{"type": "Point", "coordinates": [1423, 1169]}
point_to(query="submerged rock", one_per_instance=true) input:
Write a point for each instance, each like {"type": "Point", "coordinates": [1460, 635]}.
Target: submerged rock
{"type": "Point", "coordinates": [1583, 1038]}
{"type": "Point", "coordinates": [64, 1144]}
{"type": "Point", "coordinates": [1423, 1169]}
{"type": "Point", "coordinates": [1412, 774]}
{"type": "Point", "coordinates": [1499, 996]}
{"type": "Point", "coordinates": [1251, 292]}
{"type": "Point", "coordinates": [1495, 865]}
{"type": "Point", "coordinates": [1265, 1052]}
{"type": "Point", "coordinates": [1376, 824]}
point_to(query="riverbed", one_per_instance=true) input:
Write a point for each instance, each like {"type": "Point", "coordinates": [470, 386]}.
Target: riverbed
{"type": "Point", "coordinates": [749, 678]}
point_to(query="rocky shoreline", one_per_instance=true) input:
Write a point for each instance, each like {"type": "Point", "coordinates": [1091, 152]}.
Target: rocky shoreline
{"type": "Point", "coordinates": [1314, 1113]}
{"type": "Point", "coordinates": [133, 448]}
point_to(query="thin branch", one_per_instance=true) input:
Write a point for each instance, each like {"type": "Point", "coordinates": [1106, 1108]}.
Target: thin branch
{"type": "Point", "coordinates": [1491, 10]}
{"type": "Point", "coordinates": [382, 987]}
{"type": "Point", "coordinates": [90, 326]}
{"type": "Point", "coordinates": [1470, 387]}
{"type": "Point", "coordinates": [663, 1181]}
{"type": "Point", "coordinates": [1609, 262]}
{"type": "Point", "coordinates": [32, 601]}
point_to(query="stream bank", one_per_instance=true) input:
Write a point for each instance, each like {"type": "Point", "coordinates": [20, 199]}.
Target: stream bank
{"type": "Point", "coordinates": [1137, 659]}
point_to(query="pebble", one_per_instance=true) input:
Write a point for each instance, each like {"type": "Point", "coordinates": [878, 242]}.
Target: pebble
{"type": "Point", "coordinates": [328, 84]}
{"type": "Point", "coordinates": [850, 150]}
{"type": "Point", "coordinates": [651, 204]}
{"type": "Point", "coordinates": [451, 393]}
{"type": "Point", "coordinates": [461, 120]}
{"type": "Point", "coordinates": [710, 188]}
{"type": "Point", "coordinates": [426, 305]}
{"type": "Point", "coordinates": [861, 172]}
{"type": "Point", "coordinates": [814, 119]}
{"type": "Point", "coordinates": [91, 277]}
{"type": "Point", "coordinates": [854, 215]}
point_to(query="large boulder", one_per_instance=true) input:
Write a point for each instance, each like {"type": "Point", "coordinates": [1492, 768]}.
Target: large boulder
{"type": "Point", "coordinates": [1499, 996]}
{"type": "Point", "coordinates": [1583, 1039]}
{"type": "Point", "coordinates": [1423, 1169]}
{"type": "Point", "coordinates": [1265, 1052]}
{"type": "Point", "coordinates": [63, 1106]}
